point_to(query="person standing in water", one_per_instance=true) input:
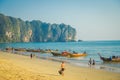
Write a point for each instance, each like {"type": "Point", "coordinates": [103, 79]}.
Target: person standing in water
{"type": "Point", "coordinates": [93, 63]}
{"type": "Point", "coordinates": [90, 62]}
{"type": "Point", "coordinates": [61, 71]}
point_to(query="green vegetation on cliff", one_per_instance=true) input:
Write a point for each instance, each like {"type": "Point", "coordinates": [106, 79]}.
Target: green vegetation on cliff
{"type": "Point", "coordinates": [17, 30]}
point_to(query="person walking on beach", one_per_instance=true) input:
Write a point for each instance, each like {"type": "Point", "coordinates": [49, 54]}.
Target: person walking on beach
{"type": "Point", "coordinates": [31, 55]}
{"type": "Point", "coordinates": [61, 71]}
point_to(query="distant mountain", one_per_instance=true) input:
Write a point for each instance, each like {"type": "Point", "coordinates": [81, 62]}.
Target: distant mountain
{"type": "Point", "coordinates": [16, 30]}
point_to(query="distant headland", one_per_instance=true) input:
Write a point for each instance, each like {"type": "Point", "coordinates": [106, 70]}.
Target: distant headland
{"type": "Point", "coordinates": [16, 30]}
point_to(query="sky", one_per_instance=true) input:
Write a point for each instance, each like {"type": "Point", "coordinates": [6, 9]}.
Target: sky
{"type": "Point", "coordinates": [92, 19]}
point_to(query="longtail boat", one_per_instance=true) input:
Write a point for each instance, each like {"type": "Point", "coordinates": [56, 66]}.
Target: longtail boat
{"type": "Point", "coordinates": [110, 59]}
{"type": "Point", "coordinates": [68, 54]}
{"type": "Point", "coordinates": [78, 54]}
{"type": "Point", "coordinates": [56, 54]}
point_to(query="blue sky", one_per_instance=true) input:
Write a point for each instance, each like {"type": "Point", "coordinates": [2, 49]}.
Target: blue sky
{"type": "Point", "coordinates": [93, 19]}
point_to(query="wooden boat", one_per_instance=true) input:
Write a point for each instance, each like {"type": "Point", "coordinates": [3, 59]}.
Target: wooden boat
{"type": "Point", "coordinates": [33, 50]}
{"type": "Point", "coordinates": [9, 49]}
{"type": "Point", "coordinates": [68, 54]}
{"type": "Point", "coordinates": [20, 49]}
{"type": "Point", "coordinates": [113, 59]}
{"type": "Point", "coordinates": [77, 54]}
{"type": "Point", "coordinates": [56, 54]}
{"type": "Point", "coordinates": [64, 54]}
{"type": "Point", "coordinates": [116, 60]}
{"type": "Point", "coordinates": [45, 51]}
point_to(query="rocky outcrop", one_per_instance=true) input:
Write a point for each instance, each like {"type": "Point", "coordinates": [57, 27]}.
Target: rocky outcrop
{"type": "Point", "coordinates": [17, 30]}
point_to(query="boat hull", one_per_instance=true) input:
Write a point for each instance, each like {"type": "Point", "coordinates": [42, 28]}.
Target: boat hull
{"type": "Point", "coordinates": [78, 55]}
{"type": "Point", "coordinates": [56, 54]}
{"type": "Point", "coordinates": [109, 59]}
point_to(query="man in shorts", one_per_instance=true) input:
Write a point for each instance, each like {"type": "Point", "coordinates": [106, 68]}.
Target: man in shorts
{"type": "Point", "coordinates": [61, 71]}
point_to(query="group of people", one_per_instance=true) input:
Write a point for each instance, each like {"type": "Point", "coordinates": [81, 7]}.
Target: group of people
{"type": "Point", "coordinates": [91, 62]}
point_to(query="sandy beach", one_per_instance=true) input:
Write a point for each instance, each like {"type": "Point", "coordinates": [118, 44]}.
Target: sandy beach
{"type": "Point", "coordinates": [19, 67]}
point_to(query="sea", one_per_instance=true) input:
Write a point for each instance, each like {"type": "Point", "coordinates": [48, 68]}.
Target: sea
{"type": "Point", "coordinates": [92, 48]}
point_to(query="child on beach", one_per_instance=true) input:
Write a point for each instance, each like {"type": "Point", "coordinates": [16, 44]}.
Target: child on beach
{"type": "Point", "coordinates": [61, 71]}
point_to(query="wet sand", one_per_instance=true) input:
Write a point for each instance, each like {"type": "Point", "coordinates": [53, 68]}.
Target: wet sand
{"type": "Point", "coordinates": [19, 67]}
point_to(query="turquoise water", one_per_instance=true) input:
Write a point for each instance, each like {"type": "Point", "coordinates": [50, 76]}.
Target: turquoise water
{"type": "Point", "coordinates": [106, 48]}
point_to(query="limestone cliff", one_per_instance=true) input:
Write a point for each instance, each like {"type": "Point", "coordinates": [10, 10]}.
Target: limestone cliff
{"type": "Point", "coordinates": [17, 30]}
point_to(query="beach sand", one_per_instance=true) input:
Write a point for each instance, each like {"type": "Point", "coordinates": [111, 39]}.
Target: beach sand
{"type": "Point", "coordinates": [19, 67]}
